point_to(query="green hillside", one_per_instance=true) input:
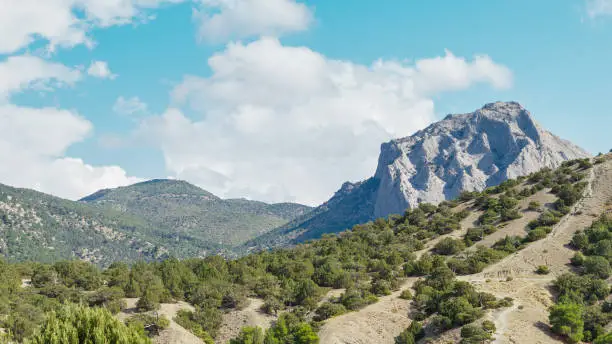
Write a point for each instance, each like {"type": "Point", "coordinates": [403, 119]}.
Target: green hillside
{"type": "Point", "coordinates": [178, 210]}
{"type": "Point", "coordinates": [149, 221]}
{"type": "Point", "coordinates": [39, 227]}
{"type": "Point", "coordinates": [413, 258]}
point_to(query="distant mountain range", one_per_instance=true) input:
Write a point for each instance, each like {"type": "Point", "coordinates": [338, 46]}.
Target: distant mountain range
{"type": "Point", "coordinates": [464, 152]}
{"type": "Point", "coordinates": [158, 218]}
{"type": "Point", "coordinates": [149, 220]}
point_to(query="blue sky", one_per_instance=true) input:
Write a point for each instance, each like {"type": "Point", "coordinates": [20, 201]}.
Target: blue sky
{"type": "Point", "coordinates": [211, 110]}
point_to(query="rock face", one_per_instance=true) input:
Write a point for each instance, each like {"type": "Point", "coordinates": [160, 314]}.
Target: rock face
{"type": "Point", "coordinates": [465, 152]}
{"type": "Point", "coordinates": [462, 152]}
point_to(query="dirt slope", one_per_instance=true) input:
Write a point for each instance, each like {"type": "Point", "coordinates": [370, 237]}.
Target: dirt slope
{"type": "Point", "coordinates": [174, 334]}
{"type": "Point", "coordinates": [377, 323]}
{"type": "Point", "coordinates": [530, 291]}
{"type": "Point", "coordinates": [526, 321]}
{"type": "Point", "coordinates": [236, 320]}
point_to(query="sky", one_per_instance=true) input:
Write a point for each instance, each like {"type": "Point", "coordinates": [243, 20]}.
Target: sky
{"type": "Point", "coordinates": [278, 100]}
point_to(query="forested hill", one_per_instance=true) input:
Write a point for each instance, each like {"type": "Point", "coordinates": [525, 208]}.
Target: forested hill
{"type": "Point", "coordinates": [149, 221]}
{"type": "Point", "coordinates": [39, 227]}
{"type": "Point", "coordinates": [178, 209]}
{"type": "Point", "coordinates": [408, 261]}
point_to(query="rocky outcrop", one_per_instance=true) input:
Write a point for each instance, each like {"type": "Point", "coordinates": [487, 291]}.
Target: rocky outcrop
{"type": "Point", "coordinates": [465, 152]}
{"type": "Point", "coordinates": [462, 152]}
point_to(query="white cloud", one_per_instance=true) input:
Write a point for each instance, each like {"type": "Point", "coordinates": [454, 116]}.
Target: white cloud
{"type": "Point", "coordinates": [64, 23]}
{"type": "Point", "coordinates": [33, 142]}
{"type": "Point", "coordinates": [99, 69]}
{"type": "Point", "coordinates": [221, 20]}
{"type": "Point", "coordinates": [130, 106]}
{"type": "Point", "coordinates": [598, 8]}
{"type": "Point", "coordinates": [67, 23]}
{"type": "Point", "coordinates": [448, 73]}
{"type": "Point", "coordinates": [18, 73]}
{"type": "Point", "coordinates": [285, 123]}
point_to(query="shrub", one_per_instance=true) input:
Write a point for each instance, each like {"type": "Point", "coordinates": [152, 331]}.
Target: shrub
{"type": "Point", "coordinates": [440, 323]}
{"type": "Point", "coordinates": [204, 322]}
{"type": "Point", "coordinates": [406, 294]}
{"type": "Point", "coordinates": [80, 324]}
{"type": "Point", "coordinates": [449, 246]}
{"type": "Point", "coordinates": [380, 287]}
{"type": "Point", "coordinates": [155, 324]}
{"type": "Point", "coordinates": [147, 302]}
{"type": "Point", "coordinates": [411, 335]}
{"type": "Point", "coordinates": [354, 299]}
{"type": "Point", "coordinates": [249, 335]}
{"type": "Point", "coordinates": [489, 326]}
{"type": "Point", "coordinates": [604, 339]}
{"type": "Point", "coordinates": [472, 334]}
{"type": "Point", "coordinates": [585, 164]}
{"type": "Point", "coordinates": [271, 305]}
{"type": "Point", "coordinates": [536, 234]}
{"type": "Point", "coordinates": [598, 266]}
{"type": "Point", "coordinates": [542, 270]}
{"type": "Point", "coordinates": [329, 310]}
{"type": "Point", "coordinates": [578, 259]}
{"type": "Point", "coordinates": [566, 320]}
{"type": "Point", "coordinates": [291, 329]}
{"type": "Point", "coordinates": [111, 298]}
{"type": "Point", "coordinates": [534, 206]}
{"type": "Point", "coordinates": [509, 215]}
{"type": "Point", "coordinates": [459, 310]}
{"type": "Point", "coordinates": [509, 244]}
{"type": "Point", "coordinates": [405, 338]}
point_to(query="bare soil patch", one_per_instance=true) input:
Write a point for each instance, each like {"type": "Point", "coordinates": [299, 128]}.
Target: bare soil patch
{"type": "Point", "coordinates": [174, 334]}
{"type": "Point", "coordinates": [251, 316]}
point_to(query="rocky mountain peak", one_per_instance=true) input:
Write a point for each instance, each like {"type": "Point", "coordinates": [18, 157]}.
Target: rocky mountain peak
{"type": "Point", "coordinates": [468, 151]}
{"type": "Point", "coordinates": [462, 152]}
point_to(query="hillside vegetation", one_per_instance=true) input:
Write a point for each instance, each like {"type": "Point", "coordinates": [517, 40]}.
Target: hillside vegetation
{"type": "Point", "coordinates": [177, 209]}
{"type": "Point", "coordinates": [314, 287]}
{"type": "Point", "coordinates": [148, 221]}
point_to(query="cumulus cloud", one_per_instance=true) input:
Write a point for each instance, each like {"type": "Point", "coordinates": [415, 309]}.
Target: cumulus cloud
{"type": "Point", "coordinates": [448, 73]}
{"type": "Point", "coordinates": [129, 106]}
{"type": "Point", "coordinates": [598, 8]}
{"type": "Point", "coordinates": [64, 22]}
{"type": "Point", "coordinates": [67, 23]}
{"type": "Point", "coordinates": [281, 123]}
{"type": "Point", "coordinates": [231, 19]}
{"type": "Point", "coordinates": [100, 69]}
{"type": "Point", "coordinates": [19, 73]}
{"type": "Point", "coordinates": [33, 141]}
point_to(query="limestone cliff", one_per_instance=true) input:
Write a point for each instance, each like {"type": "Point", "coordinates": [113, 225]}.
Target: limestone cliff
{"type": "Point", "coordinates": [461, 152]}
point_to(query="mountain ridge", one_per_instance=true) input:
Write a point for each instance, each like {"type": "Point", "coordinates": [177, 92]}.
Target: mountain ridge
{"type": "Point", "coordinates": [149, 220]}
{"type": "Point", "coordinates": [469, 151]}
{"type": "Point", "coordinates": [462, 152]}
